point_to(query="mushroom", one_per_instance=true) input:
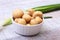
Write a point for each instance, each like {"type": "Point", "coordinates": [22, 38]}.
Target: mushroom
{"type": "Point", "coordinates": [26, 17]}
{"type": "Point", "coordinates": [22, 21]}
{"type": "Point", "coordinates": [37, 13]}
{"type": "Point", "coordinates": [38, 19]}
{"type": "Point", "coordinates": [31, 11]}
{"type": "Point", "coordinates": [18, 13]}
{"type": "Point", "coordinates": [33, 22]}
{"type": "Point", "coordinates": [17, 19]}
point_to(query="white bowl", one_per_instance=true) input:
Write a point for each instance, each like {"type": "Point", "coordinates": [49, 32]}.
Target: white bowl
{"type": "Point", "coordinates": [27, 30]}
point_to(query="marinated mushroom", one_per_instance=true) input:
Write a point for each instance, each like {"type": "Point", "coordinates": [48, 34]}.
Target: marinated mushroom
{"type": "Point", "coordinates": [33, 22]}
{"type": "Point", "coordinates": [38, 19]}
{"type": "Point", "coordinates": [26, 17]}
{"type": "Point", "coordinates": [38, 13]}
{"type": "Point", "coordinates": [17, 19]}
{"type": "Point", "coordinates": [31, 11]}
{"type": "Point", "coordinates": [18, 13]}
{"type": "Point", "coordinates": [22, 21]}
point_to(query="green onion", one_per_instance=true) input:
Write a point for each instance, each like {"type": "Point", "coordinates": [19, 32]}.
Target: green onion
{"type": "Point", "coordinates": [7, 22]}
{"type": "Point", "coordinates": [47, 17]}
{"type": "Point", "coordinates": [47, 8]}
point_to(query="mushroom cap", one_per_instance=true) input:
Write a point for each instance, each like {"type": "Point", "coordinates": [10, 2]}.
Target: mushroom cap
{"type": "Point", "coordinates": [18, 13]}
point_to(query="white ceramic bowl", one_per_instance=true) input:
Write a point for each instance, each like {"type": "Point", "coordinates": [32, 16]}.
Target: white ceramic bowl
{"type": "Point", "coordinates": [27, 30]}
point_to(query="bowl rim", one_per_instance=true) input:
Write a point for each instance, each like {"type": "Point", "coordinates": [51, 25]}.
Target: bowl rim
{"type": "Point", "coordinates": [26, 25]}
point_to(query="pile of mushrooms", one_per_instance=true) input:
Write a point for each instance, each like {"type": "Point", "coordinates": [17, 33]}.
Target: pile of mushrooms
{"type": "Point", "coordinates": [29, 17]}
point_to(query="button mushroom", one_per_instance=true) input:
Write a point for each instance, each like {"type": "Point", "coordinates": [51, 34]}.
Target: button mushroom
{"type": "Point", "coordinates": [18, 13]}
{"type": "Point", "coordinates": [33, 22]}
{"type": "Point", "coordinates": [22, 21]}
{"type": "Point", "coordinates": [38, 19]}
{"type": "Point", "coordinates": [31, 11]}
{"type": "Point", "coordinates": [17, 19]}
{"type": "Point", "coordinates": [37, 13]}
{"type": "Point", "coordinates": [26, 17]}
